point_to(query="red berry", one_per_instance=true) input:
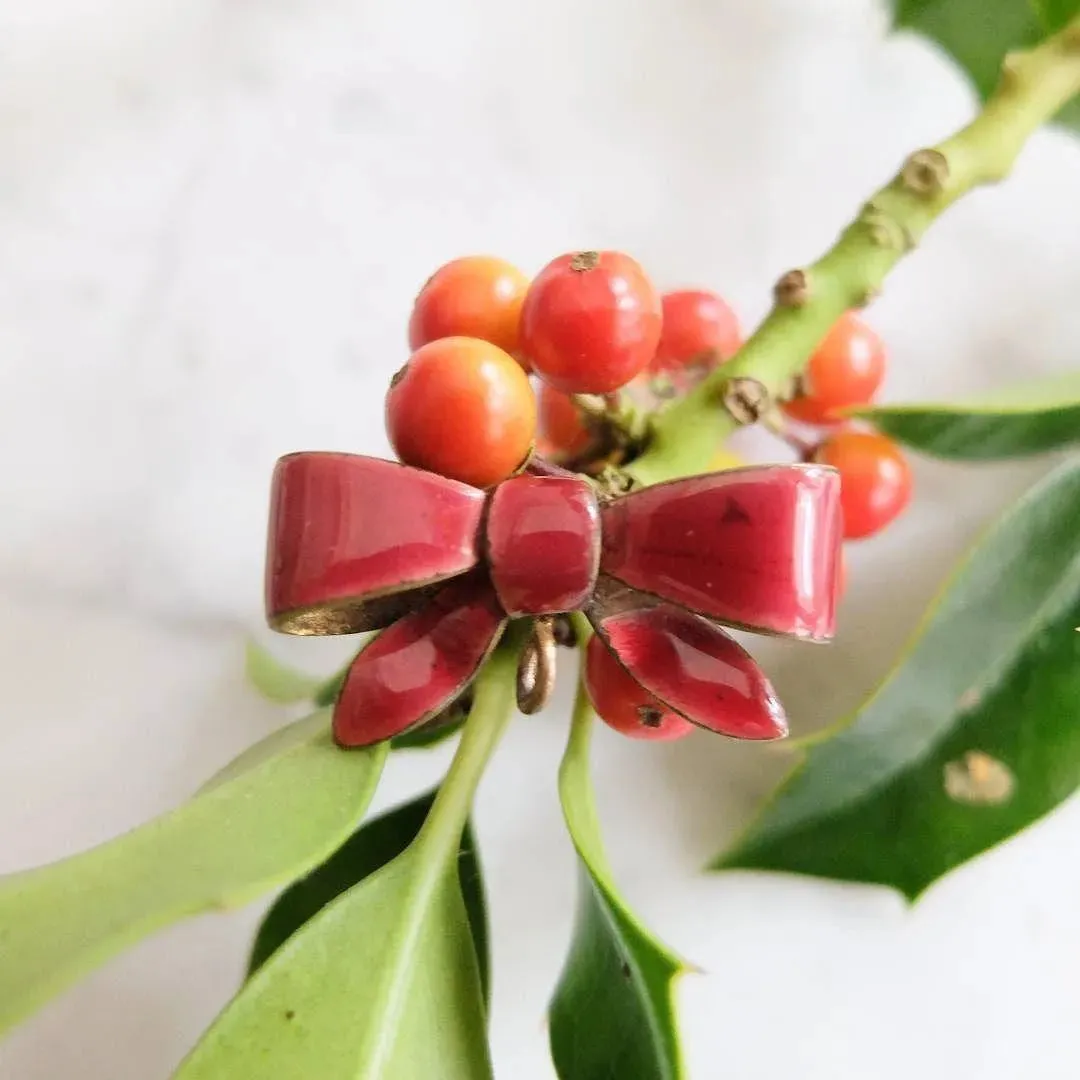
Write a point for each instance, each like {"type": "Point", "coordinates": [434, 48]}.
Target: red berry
{"type": "Point", "coordinates": [591, 322]}
{"type": "Point", "coordinates": [696, 323]}
{"type": "Point", "coordinates": [623, 704]}
{"type": "Point", "coordinates": [875, 479]}
{"type": "Point", "coordinates": [562, 432]}
{"type": "Point", "coordinates": [845, 370]}
{"type": "Point", "coordinates": [478, 296]}
{"type": "Point", "coordinates": [463, 408]}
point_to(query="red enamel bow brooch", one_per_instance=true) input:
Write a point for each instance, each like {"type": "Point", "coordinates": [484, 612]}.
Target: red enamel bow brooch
{"type": "Point", "coordinates": [358, 543]}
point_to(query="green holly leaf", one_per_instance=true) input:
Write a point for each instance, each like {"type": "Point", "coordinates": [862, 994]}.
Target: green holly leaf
{"type": "Point", "coordinates": [372, 846]}
{"type": "Point", "coordinates": [977, 34]}
{"type": "Point", "coordinates": [613, 1013]}
{"type": "Point", "coordinates": [382, 983]}
{"type": "Point", "coordinates": [1029, 418]}
{"type": "Point", "coordinates": [277, 681]}
{"type": "Point", "coordinates": [1054, 14]}
{"type": "Point", "coordinates": [971, 738]}
{"type": "Point", "coordinates": [279, 810]}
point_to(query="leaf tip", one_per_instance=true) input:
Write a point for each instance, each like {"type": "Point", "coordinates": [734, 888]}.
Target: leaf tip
{"type": "Point", "coordinates": [743, 854]}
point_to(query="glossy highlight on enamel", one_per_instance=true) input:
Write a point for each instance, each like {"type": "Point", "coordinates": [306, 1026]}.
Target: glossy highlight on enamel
{"type": "Point", "coordinates": [416, 667]}
{"type": "Point", "coordinates": [694, 669]}
{"type": "Point", "coordinates": [543, 543]}
{"type": "Point", "coordinates": [346, 530]}
{"type": "Point", "coordinates": [756, 548]}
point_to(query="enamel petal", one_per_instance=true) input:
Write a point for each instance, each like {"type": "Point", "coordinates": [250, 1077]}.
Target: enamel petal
{"type": "Point", "coordinates": [416, 667]}
{"type": "Point", "coordinates": [695, 669]}
{"type": "Point", "coordinates": [349, 534]}
{"type": "Point", "coordinates": [543, 542]}
{"type": "Point", "coordinates": [756, 548]}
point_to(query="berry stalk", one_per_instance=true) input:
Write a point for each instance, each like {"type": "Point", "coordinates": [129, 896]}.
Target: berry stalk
{"type": "Point", "coordinates": [1033, 87]}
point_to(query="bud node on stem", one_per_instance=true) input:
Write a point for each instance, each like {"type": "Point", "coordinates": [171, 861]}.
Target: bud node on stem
{"type": "Point", "coordinates": [885, 231]}
{"type": "Point", "coordinates": [792, 290]}
{"type": "Point", "coordinates": [925, 173]}
{"type": "Point", "coordinates": [746, 399]}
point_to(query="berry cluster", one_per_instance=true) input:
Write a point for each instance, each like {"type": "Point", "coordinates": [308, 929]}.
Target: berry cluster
{"type": "Point", "coordinates": [501, 367]}
{"type": "Point", "coordinates": [590, 322]}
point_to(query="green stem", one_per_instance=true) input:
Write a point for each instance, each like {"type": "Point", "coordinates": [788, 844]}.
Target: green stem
{"type": "Point", "coordinates": [581, 725]}
{"type": "Point", "coordinates": [492, 708]}
{"type": "Point", "coordinates": [1034, 86]}
{"type": "Point", "coordinates": [575, 785]}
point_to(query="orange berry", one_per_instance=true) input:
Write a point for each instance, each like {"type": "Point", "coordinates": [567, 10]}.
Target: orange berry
{"type": "Point", "coordinates": [845, 371]}
{"type": "Point", "coordinates": [875, 479]}
{"type": "Point", "coordinates": [463, 408]}
{"type": "Point", "coordinates": [562, 432]}
{"type": "Point", "coordinates": [696, 323]}
{"type": "Point", "coordinates": [477, 296]}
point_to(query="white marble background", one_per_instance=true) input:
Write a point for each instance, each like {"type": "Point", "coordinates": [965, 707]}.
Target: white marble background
{"type": "Point", "coordinates": [213, 217]}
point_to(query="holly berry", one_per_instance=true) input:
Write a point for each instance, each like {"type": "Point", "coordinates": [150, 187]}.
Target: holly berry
{"type": "Point", "coordinates": [590, 322]}
{"type": "Point", "coordinates": [463, 408]}
{"type": "Point", "coordinates": [478, 296]}
{"type": "Point", "coordinates": [845, 370]}
{"type": "Point", "coordinates": [562, 432]}
{"type": "Point", "coordinates": [696, 324]}
{"type": "Point", "coordinates": [623, 704]}
{"type": "Point", "coordinates": [875, 479]}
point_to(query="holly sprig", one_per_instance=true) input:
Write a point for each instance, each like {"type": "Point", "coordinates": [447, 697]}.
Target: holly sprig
{"type": "Point", "coordinates": [272, 819]}
{"type": "Point", "coordinates": [1033, 87]}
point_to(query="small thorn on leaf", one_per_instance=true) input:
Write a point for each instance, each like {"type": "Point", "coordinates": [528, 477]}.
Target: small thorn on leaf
{"type": "Point", "coordinates": [625, 968]}
{"type": "Point", "coordinates": [978, 779]}
{"type": "Point", "coordinates": [585, 260]}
